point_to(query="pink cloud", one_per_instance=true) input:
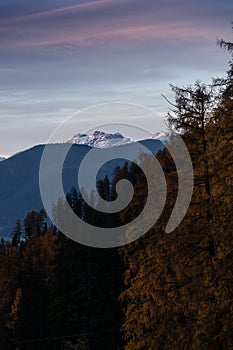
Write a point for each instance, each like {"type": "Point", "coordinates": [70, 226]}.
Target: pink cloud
{"type": "Point", "coordinates": [151, 25]}
{"type": "Point", "coordinates": [8, 111]}
{"type": "Point", "coordinates": [97, 34]}
{"type": "Point", "coordinates": [87, 6]}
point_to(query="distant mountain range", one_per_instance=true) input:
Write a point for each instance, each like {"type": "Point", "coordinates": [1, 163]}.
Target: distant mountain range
{"type": "Point", "coordinates": [100, 139]}
{"type": "Point", "coordinates": [19, 174]}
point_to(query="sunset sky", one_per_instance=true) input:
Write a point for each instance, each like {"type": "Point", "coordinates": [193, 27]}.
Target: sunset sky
{"type": "Point", "coordinates": [59, 56]}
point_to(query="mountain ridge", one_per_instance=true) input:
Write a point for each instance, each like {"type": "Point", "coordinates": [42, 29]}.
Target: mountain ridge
{"type": "Point", "coordinates": [100, 139]}
{"type": "Point", "coordinates": [19, 178]}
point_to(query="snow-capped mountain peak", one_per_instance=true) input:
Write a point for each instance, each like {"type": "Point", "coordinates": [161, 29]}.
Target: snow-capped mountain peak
{"type": "Point", "coordinates": [162, 135]}
{"type": "Point", "coordinates": [100, 139]}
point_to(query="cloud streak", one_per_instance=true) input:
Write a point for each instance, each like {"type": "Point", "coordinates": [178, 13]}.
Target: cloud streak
{"type": "Point", "coordinates": [55, 59]}
{"type": "Point", "coordinates": [87, 25]}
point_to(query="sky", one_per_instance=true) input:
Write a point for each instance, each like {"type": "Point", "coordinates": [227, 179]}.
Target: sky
{"type": "Point", "coordinates": [60, 56]}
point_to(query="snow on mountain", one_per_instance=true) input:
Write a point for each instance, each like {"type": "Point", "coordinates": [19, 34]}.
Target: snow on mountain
{"type": "Point", "coordinates": [162, 135]}
{"type": "Point", "coordinates": [1, 159]}
{"type": "Point", "coordinates": [100, 139]}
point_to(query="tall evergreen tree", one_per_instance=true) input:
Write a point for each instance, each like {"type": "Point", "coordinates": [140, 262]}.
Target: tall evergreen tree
{"type": "Point", "coordinates": [16, 234]}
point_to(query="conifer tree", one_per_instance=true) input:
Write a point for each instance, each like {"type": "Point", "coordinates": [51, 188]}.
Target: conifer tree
{"type": "Point", "coordinates": [16, 234]}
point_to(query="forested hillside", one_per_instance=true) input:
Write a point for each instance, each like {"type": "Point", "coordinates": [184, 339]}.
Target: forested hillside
{"type": "Point", "coordinates": [179, 286]}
